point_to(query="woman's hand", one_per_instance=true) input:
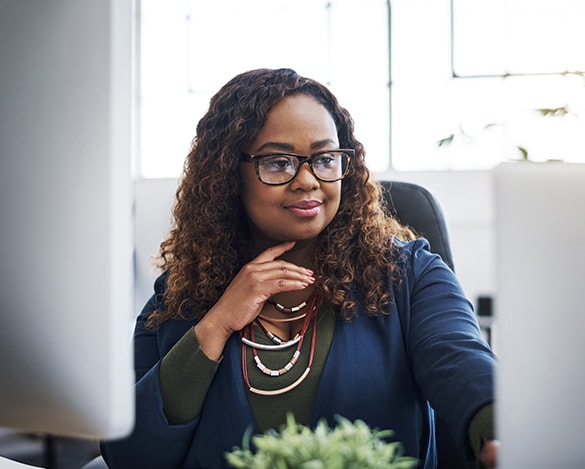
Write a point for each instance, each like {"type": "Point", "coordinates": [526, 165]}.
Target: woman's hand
{"type": "Point", "coordinates": [258, 280]}
{"type": "Point", "coordinates": [489, 454]}
{"type": "Point", "coordinates": [245, 296]}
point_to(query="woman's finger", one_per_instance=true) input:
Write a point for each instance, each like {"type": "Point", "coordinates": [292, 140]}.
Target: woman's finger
{"type": "Point", "coordinates": [489, 454]}
{"type": "Point", "coordinates": [273, 277]}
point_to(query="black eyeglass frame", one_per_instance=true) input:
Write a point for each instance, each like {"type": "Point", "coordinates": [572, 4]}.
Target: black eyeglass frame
{"type": "Point", "coordinates": [248, 158]}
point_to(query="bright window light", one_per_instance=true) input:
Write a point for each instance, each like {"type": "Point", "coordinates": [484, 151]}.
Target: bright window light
{"type": "Point", "coordinates": [522, 55]}
{"type": "Point", "coordinates": [190, 49]}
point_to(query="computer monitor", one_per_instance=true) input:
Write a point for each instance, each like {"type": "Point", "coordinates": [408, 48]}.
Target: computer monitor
{"type": "Point", "coordinates": [66, 229]}
{"type": "Point", "coordinates": [540, 314]}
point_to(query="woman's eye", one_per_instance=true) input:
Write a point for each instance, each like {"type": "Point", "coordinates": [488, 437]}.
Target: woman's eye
{"type": "Point", "coordinates": [276, 163]}
{"type": "Point", "coordinates": [325, 161]}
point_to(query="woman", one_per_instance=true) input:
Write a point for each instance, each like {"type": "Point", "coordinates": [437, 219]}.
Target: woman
{"type": "Point", "coordinates": [287, 288]}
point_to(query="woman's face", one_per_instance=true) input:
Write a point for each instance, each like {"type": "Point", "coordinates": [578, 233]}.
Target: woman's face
{"type": "Point", "coordinates": [300, 209]}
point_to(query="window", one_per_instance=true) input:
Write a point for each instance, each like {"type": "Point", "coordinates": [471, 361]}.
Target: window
{"type": "Point", "coordinates": [481, 91]}
{"type": "Point", "coordinates": [469, 74]}
{"type": "Point", "coordinates": [190, 49]}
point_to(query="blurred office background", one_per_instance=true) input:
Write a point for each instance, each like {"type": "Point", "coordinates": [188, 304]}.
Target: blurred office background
{"type": "Point", "coordinates": [441, 91]}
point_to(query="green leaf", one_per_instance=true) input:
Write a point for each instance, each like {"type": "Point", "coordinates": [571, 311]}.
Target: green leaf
{"type": "Point", "coordinates": [347, 445]}
{"type": "Point", "coordinates": [523, 151]}
{"type": "Point", "coordinates": [555, 111]}
{"type": "Point", "coordinates": [446, 141]}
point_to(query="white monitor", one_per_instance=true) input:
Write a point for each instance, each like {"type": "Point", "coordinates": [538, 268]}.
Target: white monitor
{"type": "Point", "coordinates": [66, 229]}
{"type": "Point", "coordinates": [540, 314]}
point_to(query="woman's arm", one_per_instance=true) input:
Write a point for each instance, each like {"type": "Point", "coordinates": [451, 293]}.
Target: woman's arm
{"type": "Point", "coordinates": [451, 361]}
{"type": "Point", "coordinates": [172, 385]}
{"type": "Point", "coordinates": [186, 374]}
{"type": "Point", "coordinates": [155, 442]}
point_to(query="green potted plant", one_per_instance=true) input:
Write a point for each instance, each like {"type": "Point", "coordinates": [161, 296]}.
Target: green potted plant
{"type": "Point", "coordinates": [348, 445]}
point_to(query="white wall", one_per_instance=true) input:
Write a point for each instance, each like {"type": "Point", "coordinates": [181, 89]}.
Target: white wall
{"type": "Point", "coordinates": [154, 200]}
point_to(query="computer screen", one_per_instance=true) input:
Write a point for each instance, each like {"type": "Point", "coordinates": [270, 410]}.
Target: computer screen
{"type": "Point", "coordinates": [540, 314]}
{"type": "Point", "coordinates": [66, 229]}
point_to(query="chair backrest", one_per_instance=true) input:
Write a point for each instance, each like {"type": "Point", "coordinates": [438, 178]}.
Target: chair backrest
{"type": "Point", "coordinates": [418, 208]}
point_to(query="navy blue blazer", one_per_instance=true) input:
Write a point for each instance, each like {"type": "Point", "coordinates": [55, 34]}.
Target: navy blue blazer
{"type": "Point", "coordinates": [387, 370]}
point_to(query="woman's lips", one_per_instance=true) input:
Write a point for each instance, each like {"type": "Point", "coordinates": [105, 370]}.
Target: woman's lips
{"type": "Point", "coordinates": [305, 208]}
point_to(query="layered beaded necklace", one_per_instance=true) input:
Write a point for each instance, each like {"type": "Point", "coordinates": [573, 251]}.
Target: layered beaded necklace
{"type": "Point", "coordinates": [247, 338]}
{"type": "Point", "coordinates": [284, 309]}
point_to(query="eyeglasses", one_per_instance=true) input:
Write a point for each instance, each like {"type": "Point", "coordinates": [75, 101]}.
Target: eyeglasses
{"type": "Point", "coordinates": [279, 168]}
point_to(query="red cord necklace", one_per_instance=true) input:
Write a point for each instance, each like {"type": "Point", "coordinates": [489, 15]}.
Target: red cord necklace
{"type": "Point", "coordinates": [311, 316]}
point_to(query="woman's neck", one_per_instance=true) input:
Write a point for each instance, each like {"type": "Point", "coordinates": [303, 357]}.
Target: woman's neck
{"type": "Point", "coordinates": [302, 254]}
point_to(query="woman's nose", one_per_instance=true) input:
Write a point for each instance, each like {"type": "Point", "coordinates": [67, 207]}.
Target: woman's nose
{"type": "Point", "coordinates": [305, 179]}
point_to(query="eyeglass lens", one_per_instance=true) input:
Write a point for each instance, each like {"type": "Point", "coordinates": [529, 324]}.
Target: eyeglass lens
{"type": "Point", "coordinates": [281, 168]}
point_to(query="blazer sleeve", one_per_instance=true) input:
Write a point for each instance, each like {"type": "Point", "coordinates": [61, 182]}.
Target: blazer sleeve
{"type": "Point", "coordinates": [154, 442]}
{"type": "Point", "coordinates": [451, 361]}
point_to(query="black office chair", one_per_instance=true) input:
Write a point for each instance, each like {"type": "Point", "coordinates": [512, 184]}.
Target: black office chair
{"type": "Point", "coordinates": [419, 209]}
{"type": "Point", "coordinates": [416, 207]}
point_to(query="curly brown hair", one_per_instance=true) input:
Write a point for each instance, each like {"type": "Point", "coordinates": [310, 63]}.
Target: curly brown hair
{"type": "Point", "coordinates": [210, 242]}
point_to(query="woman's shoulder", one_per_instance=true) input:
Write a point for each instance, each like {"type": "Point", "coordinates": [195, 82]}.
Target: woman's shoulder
{"type": "Point", "coordinates": [412, 245]}
{"type": "Point", "coordinates": [416, 257]}
{"type": "Point", "coordinates": [413, 249]}
{"type": "Point", "coordinates": [157, 299]}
